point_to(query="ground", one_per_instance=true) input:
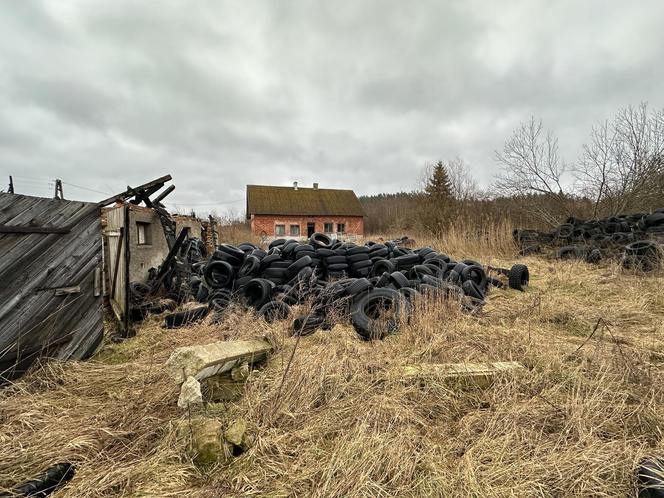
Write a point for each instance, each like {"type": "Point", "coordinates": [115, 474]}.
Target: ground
{"type": "Point", "coordinates": [342, 422]}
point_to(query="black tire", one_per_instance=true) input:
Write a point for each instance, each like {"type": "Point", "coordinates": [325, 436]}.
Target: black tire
{"type": "Point", "coordinates": [322, 252]}
{"type": "Point", "coordinates": [641, 247]}
{"type": "Point", "coordinates": [382, 266]}
{"type": "Point", "coordinates": [267, 261]}
{"type": "Point", "coordinates": [361, 264]}
{"type": "Point", "coordinates": [475, 273]}
{"type": "Point", "coordinates": [409, 293]}
{"type": "Point", "coordinates": [233, 251]}
{"type": "Point", "coordinates": [138, 291]}
{"type": "Point", "coordinates": [399, 280]}
{"type": "Point", "coordinates": [471, 289]}
{"type": "Point", "coordinates": [654, 219]}
{"type": "Point", "coordinates": [307, 325]}
{"type": "Point", "coordinates": [354, 258]}
{"type": "Point", "coordinates": [184, 318]}
{"type": "Point", "coordinates": [518, 277]}
{"type": "Point", "coordinates": [650, 478]}
{"type": "Point", "coordinates": [273, 311]}
{"type": "Point", "coordinates": [406, 261]}
{"type": "Point", "coordinates": [571, 252]}
{"type": "Point", "coordinates": [276, 243]}
{"type": "Point", "coordinates": [366, 311]}
{"type": "Point", "coordinates": [298, 265]}
{"type": "Point", "coordinates": [418, 271]}
{"type": "Point", "coordinates": [258, 292]}
{"type": "Point", "coordinates": [359, 286]}
{"type": "Point", "coordinates": [358, 250]}
{"type": "Point", "coordinates": [218, 304]}
{"type": "Point", "coordinates": [218, 274]}
{"type": "Point", "coordinates": [320, 240]}
{"type": "Point", "coordinates": [250, 266]}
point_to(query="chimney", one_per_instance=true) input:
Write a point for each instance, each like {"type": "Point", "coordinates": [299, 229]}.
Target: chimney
{"type": "Point", "coordinates": [315, 186]}
{"type": "Point", "coordinates": [294, 185]}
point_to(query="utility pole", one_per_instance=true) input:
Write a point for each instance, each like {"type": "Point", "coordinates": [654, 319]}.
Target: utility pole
{"type": "Point", "coordinates": [58, 190]}
{"type": "Point", "coordinates": [11, 184]}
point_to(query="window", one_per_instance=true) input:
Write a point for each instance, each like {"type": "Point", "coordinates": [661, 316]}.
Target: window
{"type": "Point", "coordinates": [295, 230]}
{"type": "Point", "coordinates": [143, 233]}
{"type": "Point", "coordinates": [328, 227]}
{"type": "Point", "coordinates": [341, 228]}
{"type": "Point", "coordinates": [280, 229]}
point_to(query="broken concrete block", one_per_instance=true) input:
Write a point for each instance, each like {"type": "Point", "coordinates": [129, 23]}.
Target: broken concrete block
{"type": "Point", "coordinates": [205, 443]}
{"type": "Point", "coordinates": [212, 359]}
{"type": "Point", "coordinates": [471, 374]}
{"type": "Point", "coordinates": [236, 434]}
{"type": "Point", "coordinates": [190, 394]}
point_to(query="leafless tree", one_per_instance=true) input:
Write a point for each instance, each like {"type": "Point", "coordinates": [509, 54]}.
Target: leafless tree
{"type": "Point", "coordinates": [622, 166]}
{"type": "Point", "coordinates": [530, 164]}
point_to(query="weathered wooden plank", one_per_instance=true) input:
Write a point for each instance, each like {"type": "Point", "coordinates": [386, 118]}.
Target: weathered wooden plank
{"type": "Point", "coordinates": [31, 229]}
{"type": "Point", "coordinates": [32, 323]}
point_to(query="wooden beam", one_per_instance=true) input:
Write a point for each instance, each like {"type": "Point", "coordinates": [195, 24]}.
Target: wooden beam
{"type": "Point", "coordinates": [117, 262]}
{"type": "Point", "coordinates": [127, 255]}
{"type": "Point", "coordinates": [32, 229]}
{"type": "Point", "coordinates": [163, 195]}
{"type": "Point", "coordinates": [130, 192]}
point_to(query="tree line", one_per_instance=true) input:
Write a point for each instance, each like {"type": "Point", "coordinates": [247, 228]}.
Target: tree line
{"type": "Point", "coordinates": [621, 169]}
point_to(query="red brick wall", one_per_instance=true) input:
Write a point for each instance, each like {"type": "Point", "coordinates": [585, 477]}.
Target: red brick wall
{"type": "Point", "coordinates": [264, 224]}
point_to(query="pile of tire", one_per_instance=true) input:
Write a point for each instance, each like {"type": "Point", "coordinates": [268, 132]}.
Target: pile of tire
{"type": "Point", "coordinates": [373, 285]}
{"type": "Point", "coordinates": [591, 240]}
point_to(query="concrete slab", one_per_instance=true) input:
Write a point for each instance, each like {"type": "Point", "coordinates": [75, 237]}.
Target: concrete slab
{"type": "Point", "coordinates": [207, 360]}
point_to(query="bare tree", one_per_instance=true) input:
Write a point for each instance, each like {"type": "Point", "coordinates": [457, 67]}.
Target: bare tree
{"type": "Point", "coordinates": [622, 166]}
{"type": "Point", "coordinates": [464, 187]}
{"type": "Point", "coordinates": [530, 164]}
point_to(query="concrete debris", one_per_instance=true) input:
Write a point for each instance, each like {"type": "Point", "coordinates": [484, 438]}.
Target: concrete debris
{"type": "Point", "coordinates": [216, 358]}
{"type": "Point", "coordinates": [236, 434]}
{"type": "Point", "coordinates": [471, 374]}
{"type": "Point", "coordinates": [190, 394]}
{"type": "Point", "coordinates": [206, 445]}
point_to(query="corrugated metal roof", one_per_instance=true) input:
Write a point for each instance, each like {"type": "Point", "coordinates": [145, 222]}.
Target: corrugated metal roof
{"type": "Point", "coordinates": [266, 199]}
{"type": "Point", "coordinates": [32, 318]}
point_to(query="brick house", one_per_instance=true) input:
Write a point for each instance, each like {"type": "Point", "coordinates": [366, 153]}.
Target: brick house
{"type": "Point", "coordinates": [298, 212]}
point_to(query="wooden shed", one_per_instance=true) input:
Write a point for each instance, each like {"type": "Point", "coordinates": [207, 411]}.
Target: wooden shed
{"type": "Point", "coordinates": [50, 269]}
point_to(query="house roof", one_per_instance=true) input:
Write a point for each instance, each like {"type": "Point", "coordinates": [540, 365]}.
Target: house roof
{"type": "Point", "coordinates": [266, 199]}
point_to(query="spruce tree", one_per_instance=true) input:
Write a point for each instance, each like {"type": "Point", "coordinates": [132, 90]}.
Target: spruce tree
{"type": "Point", "coordinates": [438, 186]}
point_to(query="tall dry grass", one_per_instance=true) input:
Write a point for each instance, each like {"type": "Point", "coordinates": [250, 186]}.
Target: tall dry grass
{"type": "Point", "coordinates": [344, 423]}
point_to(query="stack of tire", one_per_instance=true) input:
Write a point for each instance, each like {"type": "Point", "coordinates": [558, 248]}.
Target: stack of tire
{"type": "Point", "coordinates": [590, 240]}
{"type": "Point", "coordinates": [363, 282]}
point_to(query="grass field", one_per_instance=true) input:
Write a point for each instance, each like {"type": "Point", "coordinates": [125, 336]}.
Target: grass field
{"type": "Point", "coordinates": [575, 423]}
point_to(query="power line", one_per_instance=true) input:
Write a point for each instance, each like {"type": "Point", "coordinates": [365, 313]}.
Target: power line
{"type": "Point", "coordinates": [87, 188]}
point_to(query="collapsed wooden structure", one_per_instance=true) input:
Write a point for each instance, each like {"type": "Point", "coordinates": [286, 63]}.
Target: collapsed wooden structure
{"type": "Point", "coordinates": [51, 297]}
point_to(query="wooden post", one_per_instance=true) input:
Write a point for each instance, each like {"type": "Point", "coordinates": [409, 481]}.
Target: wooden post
{"type": "Point", "coordinates": [58, 190]}
{"type": "Point", "coordinates": [117, 262]}
{"type": "Point", "coordinates": [11, 184]}
{"type": "Point", "coordinates": [127, 256]}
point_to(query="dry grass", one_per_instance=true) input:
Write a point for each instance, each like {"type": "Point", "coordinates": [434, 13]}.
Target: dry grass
{"type": "Point", "coordinates": [574, 424]}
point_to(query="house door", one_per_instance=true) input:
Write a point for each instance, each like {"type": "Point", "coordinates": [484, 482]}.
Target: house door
{"type": "Point", "coordinates": [311, 228]}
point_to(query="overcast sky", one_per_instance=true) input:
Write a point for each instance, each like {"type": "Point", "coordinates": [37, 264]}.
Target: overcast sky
{"type": "Point", "coordinates": [352, 94]}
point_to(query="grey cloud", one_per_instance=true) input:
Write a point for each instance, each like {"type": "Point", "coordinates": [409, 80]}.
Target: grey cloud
{"type": "Point", "coordinates": [355, 94]}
